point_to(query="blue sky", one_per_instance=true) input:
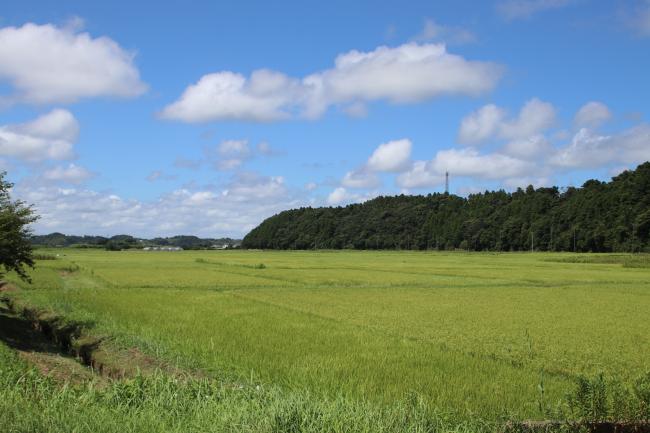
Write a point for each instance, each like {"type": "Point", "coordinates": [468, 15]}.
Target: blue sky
{"type": "Point", "coordinates": [161, 118]}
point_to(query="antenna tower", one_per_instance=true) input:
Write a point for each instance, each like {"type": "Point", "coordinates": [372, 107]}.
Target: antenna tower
{"type": "Point", "coordinates": [446, 182]}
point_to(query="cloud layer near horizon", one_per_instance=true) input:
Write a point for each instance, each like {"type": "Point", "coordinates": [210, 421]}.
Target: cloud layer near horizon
{"type": "Point", "coordinates": [233, 208]}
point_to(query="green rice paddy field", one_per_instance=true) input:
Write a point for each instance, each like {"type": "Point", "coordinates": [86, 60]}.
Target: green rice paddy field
{"type": "Point", "coordinates": [347, 337]}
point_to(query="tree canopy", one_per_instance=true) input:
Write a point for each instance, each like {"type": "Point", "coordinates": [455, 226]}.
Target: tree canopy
{"type": "Point", "coordinates": [598, 217]}
{"type": "Point", "coordinates": [15, 245]}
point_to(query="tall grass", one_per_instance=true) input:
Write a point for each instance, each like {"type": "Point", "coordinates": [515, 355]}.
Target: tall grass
{"type": "Point", "coordinates": [30, 402]}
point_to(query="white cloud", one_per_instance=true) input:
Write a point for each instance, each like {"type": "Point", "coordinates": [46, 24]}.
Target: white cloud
{"type": "Point", "coordinates": [408, 73]}
{"type": "Point", "coordinates": [468, 162]}
{"type": "Point", "coordinates": [46, 64]}
{"type": "Point", "coordinates": [311, 186]}
{"type": "Point", "coordinates": [433, 31]}
{"type": "Point", "coordinates": [635, 144]}
{"type": "Point", "coordinates": [70, 174]}
{"type": "Point", "coordinates": [585, 150]}
{"type": "Point", "coordinates": [264, 97]}
{"type": "Point", "coordinates": [392, 156]}
{"type": "Point", "coordinates": [592, 114]}
{"type": "Point", "coordinates": [360, 179]}
{"type": "Point", "coordinates": [528, 148]}
{"type": "Point", "coordinates": [50, 136]}
{"type": "Point", "coordinates": [338, 196]}
{"type": "Point", "coordinates": [590, 150]}
{"type": "Point", "coordinates": [250, 185]}
{"type": "Point", "coordinates": [341, 196]}
{"type": "Point", "coordinates": [465, 162]}
{"type": "Point", "coordinates": [490, 122]}
{"type": "Point", "coordinates": [518, 9]}
{"type": "Point", "coordinates": [534, 117]}
{"type": "Point", "coordinates": [233, 153]}
{"type": "Point", "coordinates": [405, 74]}
{"type": "Point", "coordinates": [421, 175]}
{"type": "Point", "coordinates": [233, 209]}
{"type": "Point", "coordinates": [481, 125]}
{"type": "Point", "coordinates": [234, 148]}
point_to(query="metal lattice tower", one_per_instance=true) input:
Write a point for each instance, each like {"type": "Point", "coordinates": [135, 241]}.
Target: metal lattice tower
{"type": "Point", "coordinates": [446, 182]}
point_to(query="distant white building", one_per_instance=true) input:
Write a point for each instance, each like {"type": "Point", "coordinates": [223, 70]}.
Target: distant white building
{"type": "Point", "coordinates": [162, 249]}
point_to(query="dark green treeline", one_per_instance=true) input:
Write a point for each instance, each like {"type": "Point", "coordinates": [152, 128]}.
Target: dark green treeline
{"type": "Point", "coordinates": [599, 217]}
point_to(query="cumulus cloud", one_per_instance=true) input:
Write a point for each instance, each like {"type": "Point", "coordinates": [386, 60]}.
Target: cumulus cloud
{"type": "Point", "coordinates": [250, 185]}
{"type": "Point", "coordinates": [521, 9]}
{"type": "Point", "coordinates": [433, 31]}
{"type": "Point", "coordinates": [71, 174]}
{"type": "Point", "coordinates": [528, 148]}
{"type": "Point", "coordinates": [232, 209]}
{"type": "Point", "coordinates": [592, 114]}
{"type": "Point", "coordinates": [392, 156]}
{"type": "Point", "coordinates": [47, 64]}
{"type": "Point", "coordinates": [50, 136]}
{"type": "Point", "coordinates": [338, 196]}
{"type": "Point", "coordinates": [264, 97]}
{"type": "Point", "coordinates": [534, 117]}
{"type": "Point", "coordinates": [422, 174]}
{"type": "Point", "coordinates": [469, 162]}
{"type": "Point", "coordinates": [491, 121]}
{"type": "Point", "coordinates": [588, 149]}
{"type": "Point", "coordinates": [341, 196]}
{"type": "Point", "coordinates": [408, 73]}
{"type": "Point", "coordinates": [405, 74]}
{"type": "Point", "coordinates": [481, 125]}
{"type": "Point", "coordinates": [465, 162]}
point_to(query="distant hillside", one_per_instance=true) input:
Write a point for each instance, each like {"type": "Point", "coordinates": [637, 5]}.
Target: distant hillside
{"type": "Point", "coordinates": [127, 241]}
{"type": "Point", "coordinates": [599, 217]}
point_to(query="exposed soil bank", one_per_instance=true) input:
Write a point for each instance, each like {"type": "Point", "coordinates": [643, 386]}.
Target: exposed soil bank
{"type": "Point", "coordinates": [66, 350]}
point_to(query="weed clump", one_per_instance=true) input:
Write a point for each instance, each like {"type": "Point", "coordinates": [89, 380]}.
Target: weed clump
{"type": "Point", "coordinates": [599, 399]}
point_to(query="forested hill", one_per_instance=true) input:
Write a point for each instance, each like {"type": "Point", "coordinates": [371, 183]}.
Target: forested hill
{"type": "Point", "coordinates": [599, 217]}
